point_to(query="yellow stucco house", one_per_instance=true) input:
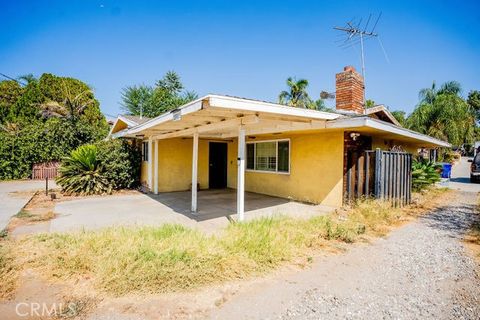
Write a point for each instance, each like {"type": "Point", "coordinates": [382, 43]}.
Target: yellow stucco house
{"type": "Point", "coordinates": [249, 145]}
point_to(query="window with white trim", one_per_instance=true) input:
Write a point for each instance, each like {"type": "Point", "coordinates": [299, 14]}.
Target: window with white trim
{"type": "Point", "coordinates": [144, 151]}
{"type": "Point", "coordinates": [269, 156]}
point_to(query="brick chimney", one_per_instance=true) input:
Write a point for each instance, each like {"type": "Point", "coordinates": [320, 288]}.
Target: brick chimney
{"type": "Point", "coordinates": [349, 87]}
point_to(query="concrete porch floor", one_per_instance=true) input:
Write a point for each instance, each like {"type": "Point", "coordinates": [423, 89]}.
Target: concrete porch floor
{"type": "Point", "coordinates": [215, 209]}
{"type": "Point", "coordinates": [218, 203]}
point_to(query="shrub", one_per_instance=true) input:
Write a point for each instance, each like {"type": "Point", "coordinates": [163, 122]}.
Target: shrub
{"type": "Point", "coordinates": [100, 168]}
{"type": "Point", "coordinates": [424, 174]}
{"type": "Point", "coordinates": [121, 162]}
{"type": "Point", "coordinates": [82, 173]}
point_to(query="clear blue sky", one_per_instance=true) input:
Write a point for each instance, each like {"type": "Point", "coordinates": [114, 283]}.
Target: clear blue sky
{"type": "Point", "coordinates": [241, 48]}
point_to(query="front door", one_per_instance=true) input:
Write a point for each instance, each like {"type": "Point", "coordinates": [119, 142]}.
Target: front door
{"type": "Point", "coordinates": [217, 165]}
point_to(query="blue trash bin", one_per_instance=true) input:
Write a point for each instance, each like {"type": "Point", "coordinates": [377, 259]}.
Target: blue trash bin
{"type": "Point", "coordinates": [446, 170]}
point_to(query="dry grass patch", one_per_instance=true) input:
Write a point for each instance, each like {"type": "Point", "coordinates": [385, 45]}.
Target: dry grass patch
{"type": "Point", "coordinates": [173, 257]}
{"type": "Point", "coordinates": [9, 270]}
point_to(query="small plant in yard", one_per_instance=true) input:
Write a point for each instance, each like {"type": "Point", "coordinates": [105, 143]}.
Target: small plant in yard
{"type": "Point", "coordinates": [100, 168]}
{"type": "Point", "coordinates": [82, 173]}
{"type": "Point", "coordinates": [424, 174]}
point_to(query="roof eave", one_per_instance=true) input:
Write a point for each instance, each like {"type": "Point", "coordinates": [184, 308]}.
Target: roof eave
{"type": "Point", "coordinates": [230, 103]}
{"type": "Point", "coordinates": [385, 126]}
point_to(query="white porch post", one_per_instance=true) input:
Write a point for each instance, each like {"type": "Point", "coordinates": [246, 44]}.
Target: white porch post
{"type": "Point", "coordinates": [241, 174]}
{"type": "Point", "coordinates": [155, 168]}
{"type": "Point", "coordinates": [194, 171]}
{"type": "Point", "coordinates": [149, 163]}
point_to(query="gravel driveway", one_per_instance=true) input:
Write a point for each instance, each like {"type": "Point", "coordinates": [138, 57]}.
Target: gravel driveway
{"type": "Point", "coordinates": [421, 270]}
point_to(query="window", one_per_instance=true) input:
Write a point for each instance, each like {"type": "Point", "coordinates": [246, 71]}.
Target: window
{"type": "Point", "coordinates": [145, 151]}
{"type": "Point", "coordinates": [269, 156]}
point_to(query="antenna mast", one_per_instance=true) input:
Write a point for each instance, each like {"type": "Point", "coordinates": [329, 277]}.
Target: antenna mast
{"type": "Point", "coordinates": [355, 34]}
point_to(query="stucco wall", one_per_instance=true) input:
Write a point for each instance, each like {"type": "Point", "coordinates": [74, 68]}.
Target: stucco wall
{"type": "Point", "coordinates": [385, 145]}
{"type": "Point", "coordinates": [316, 170]}
{"type": "Point", "coordinates": [144, 172]}
{"type": "Point", "coordinates": [315, 173]}
{"type": "Point", "coordinates": [316, 167]}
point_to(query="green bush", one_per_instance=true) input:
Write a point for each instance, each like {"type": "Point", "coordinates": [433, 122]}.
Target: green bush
{"type": "Point", "coordinates": [82, 173]}
{"type": "Point", "coordinates": [100, 168]}
{"type": "Point", "coordinates": [31, 132]}
{"type": "Point", "coordinates": [121, 162]}
{"type": "Point", "coordinates": [424, 174]}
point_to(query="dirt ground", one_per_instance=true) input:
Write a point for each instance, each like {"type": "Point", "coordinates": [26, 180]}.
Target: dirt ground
{"type": "Point", "coordinates": [421, 269]}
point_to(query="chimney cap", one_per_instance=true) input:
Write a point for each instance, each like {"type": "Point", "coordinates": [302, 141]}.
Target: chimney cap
{"type": "Point", "coordinates": [349, 68]}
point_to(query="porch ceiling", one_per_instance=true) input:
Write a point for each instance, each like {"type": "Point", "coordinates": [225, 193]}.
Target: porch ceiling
{"type": "Point", "coordinates": [220, 118]}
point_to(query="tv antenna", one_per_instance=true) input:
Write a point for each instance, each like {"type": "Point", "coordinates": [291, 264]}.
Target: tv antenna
{"type": "Point", "coordinates": [358, 33]}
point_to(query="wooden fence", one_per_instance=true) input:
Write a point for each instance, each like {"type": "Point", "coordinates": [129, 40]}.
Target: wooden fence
{"type": "Point", "coordinates": [41, 171]}
{"type": "Point", "coordinates": [385, 175]}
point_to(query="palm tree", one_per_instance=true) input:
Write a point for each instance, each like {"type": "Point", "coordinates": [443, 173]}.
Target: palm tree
{"type": "Point", "coordinates": [448, 118]}
{"type": "Point", "coordinates": [72, 106]}
{"type": "Point", "coordinates": [428, 95]}
{"type": "Point", "coordinates": [28, 78]}
{"type": "Point", "coordinates": [297, 95]}
{"type": "Point", "coordinates": [451, 87]}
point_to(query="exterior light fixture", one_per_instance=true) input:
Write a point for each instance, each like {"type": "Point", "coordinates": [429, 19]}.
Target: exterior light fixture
{"type": "Point", "coordinates": [354, 136]}
{"type": "Point", "coordinates": [177, 115]}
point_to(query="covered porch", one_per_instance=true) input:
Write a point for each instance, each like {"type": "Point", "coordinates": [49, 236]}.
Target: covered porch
{"type": "Point", "coordinates": [221, 203]}
{"type": "Point", "coordinates": [215, 121]}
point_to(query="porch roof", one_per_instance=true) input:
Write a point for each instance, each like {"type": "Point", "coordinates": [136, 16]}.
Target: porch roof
{"type": "Point", "coordinates": [219, 117]}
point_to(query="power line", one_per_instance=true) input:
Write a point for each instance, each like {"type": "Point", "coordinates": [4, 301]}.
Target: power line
{"type": "Point", "coordinates": [13, 79]}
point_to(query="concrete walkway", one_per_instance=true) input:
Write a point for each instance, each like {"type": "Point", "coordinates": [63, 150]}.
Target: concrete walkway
{"type": "Point", "coordinates": [216, 209]}
{"type": "Point", "coordinates": [15, 194]}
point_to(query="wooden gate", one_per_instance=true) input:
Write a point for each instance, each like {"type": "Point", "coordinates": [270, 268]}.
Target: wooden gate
{"type": "Point", "coordinates": [385, 175]}
{"type": "Point", "coordinates": [41, 171]}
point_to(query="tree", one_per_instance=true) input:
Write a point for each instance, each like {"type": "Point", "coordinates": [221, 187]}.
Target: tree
{"type": "Point", "coordinates": [428, 95]}
{"type": "Point", "coordinates": [369, 103]}
{"type": "Point", "coordinates": [167, 94]}
{"type": "Point", "coordinates": [400, 116]}
{"type": "Point", "coordinates": [296, 95]}
{"type": "Point", "coordinates": [473, 101]}
{"type": "Point", "coordinates": [448, 118]}
{"type": "Point", "coordinates": [451, 87]}
{"type": "Point", "coordinates": [10, 92]}
{"type": "Point", "coordinates": [43, 120]}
